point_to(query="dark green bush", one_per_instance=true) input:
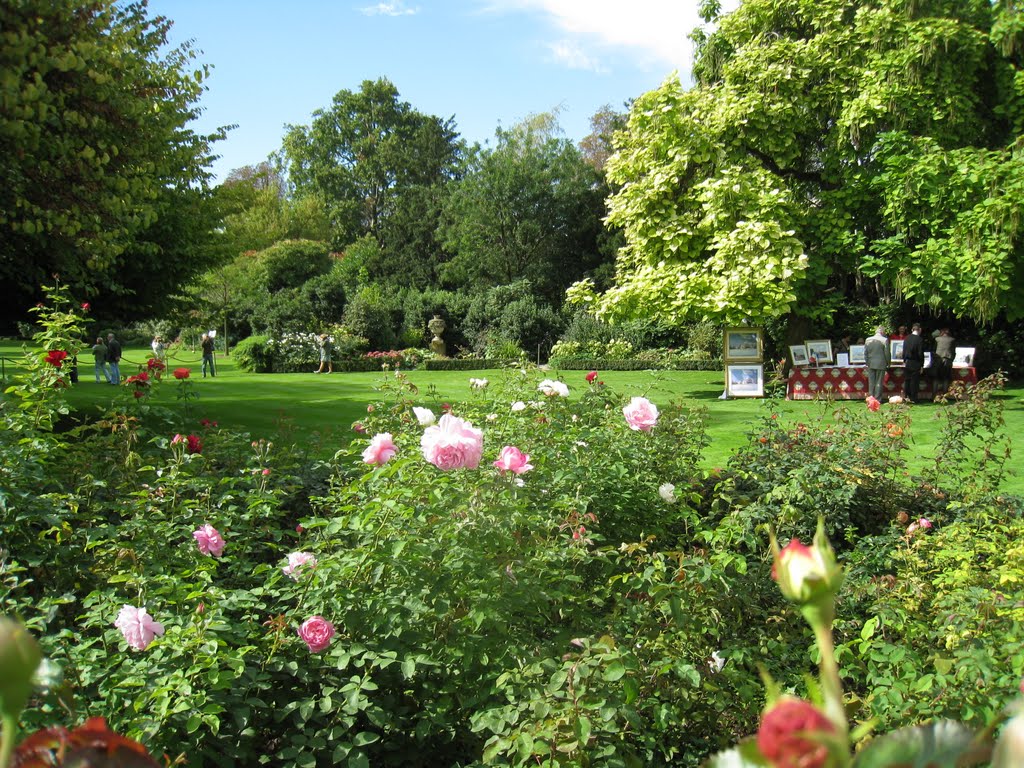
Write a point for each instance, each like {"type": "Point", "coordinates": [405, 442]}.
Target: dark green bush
{"type": "Point", "coordinates": [253, 355]}
{"type": "Point", "coordinates": [462, 364]}
{"type": "Point", "coordinates": [633, 364]}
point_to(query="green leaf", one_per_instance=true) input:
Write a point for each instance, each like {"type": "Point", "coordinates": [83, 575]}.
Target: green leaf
{"type": "Point", "coordinates": [614, 671]}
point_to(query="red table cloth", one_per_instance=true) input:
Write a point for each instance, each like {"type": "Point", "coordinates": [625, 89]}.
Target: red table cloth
{"type": "Point", "coordinates": [851, 383]}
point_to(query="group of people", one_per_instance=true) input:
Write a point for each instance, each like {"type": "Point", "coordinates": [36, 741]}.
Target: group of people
{"type": "Point", "coordinates": [878, 357]}
{"type": "Point", "coordinates": [106, 355]}
{"type": "Point", "coordinates": [107, 358]}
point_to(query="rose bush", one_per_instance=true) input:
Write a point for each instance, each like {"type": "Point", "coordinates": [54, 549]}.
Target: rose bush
{"type": "Point", "coordinates": [613, 608]}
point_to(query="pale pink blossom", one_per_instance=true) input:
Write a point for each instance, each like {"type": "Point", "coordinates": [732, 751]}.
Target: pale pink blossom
{"type": "Point", "coordinates": [299, 563]}
{"type": "Point", "coordinates": [424, 416]}
{"type": "Point", "coordinates": [641, 414]}
{"type": "Point", "coordinates": [553, 388]}
{"type": "Point", "coordinates": [453, 443]}
{"type": "Point", "coordinates": [316, 632]}
{"type": "Point", "coordinates": [380, 450]}
{"type": "Point", "coordinates": [137, 626]}
{"type": "Point", "coordinates": [922, 524]}
{"type": "Point", "coordinates": [511, 459]}
{"type": "Point", "coordinates": [895, 400]}
{"type": "Point", "coordinates": [873, 403]}
{"type": "Point", "coordinates": [209, 540]}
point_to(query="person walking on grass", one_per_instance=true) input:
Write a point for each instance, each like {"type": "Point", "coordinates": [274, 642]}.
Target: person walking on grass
{"type": "Point", "coordinates": [324, 342]}
{"type": "Point", "coordinates": [114, 359]}
{"type": "Point", "coordinates": [207, 347]}
{"type": "Point", "coordinates": [99, 356]}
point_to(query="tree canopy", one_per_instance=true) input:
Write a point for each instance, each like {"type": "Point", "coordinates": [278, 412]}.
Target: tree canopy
{"type": "Point", "coordinates": [829, 150]}
{"type": "Point", "coordinates": [529, 208]}
{"type": "Point", "coordinates": [377, 165]}
{"type": "Point", "coordinates": [101, 179]}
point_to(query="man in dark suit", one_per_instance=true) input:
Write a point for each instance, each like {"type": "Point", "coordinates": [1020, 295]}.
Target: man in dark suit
{"type": "Point", "coordinates": [913, 362]}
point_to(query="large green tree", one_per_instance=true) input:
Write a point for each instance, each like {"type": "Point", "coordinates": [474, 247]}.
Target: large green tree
{"type": "Point", "coordinates": [101, 179]}
{"type": "Point", "coordinates": [379, 167]}
{"type": "Point", "coordinates": [829, 150]}
{"type": "Point", "coordinates": [258, 211]}
{"type": "Point", "coordinates": [528, 208]}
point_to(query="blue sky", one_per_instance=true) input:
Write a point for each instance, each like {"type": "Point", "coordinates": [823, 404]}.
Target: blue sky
{"type": "Point", "coordinates": [484, 62]}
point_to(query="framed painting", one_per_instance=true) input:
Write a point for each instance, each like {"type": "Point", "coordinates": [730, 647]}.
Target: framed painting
{"type": "Point", "coordinates": [820, 350]}
{"type": "Point", "coordinates": [743, 344]}
{"type": "Point", "coordinates": [799, 354]}
{"type": "Point", "coordinates": [963, 357]}
{"type": "Point", "coordinates": [857, 354]}
{"type": "Point", "coordinates": [744, 380]}
{"type": "Point", "coordinates": [896, 351]}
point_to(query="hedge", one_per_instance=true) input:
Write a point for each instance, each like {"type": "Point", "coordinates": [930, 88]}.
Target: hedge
{"type": "Point", "coordinates": [602, 364]}
{"type": "Point", "coordinates": [465, 364]}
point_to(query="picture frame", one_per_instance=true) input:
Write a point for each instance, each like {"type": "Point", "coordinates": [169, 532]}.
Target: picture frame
{"type": "Point", "coordinates": [963, 357]}
{"type": "Point", "coordinates": [743, 344]}
{"type": "Point", "coordinates": [857, 354]}
{"type": "Point", "coordinates": [744, 380]}
{"type": "Point", "coordinates": [799, 354]}
{"type": "Point", "coordinates": [896, 352]}
{"type": "Point", "coordinates": [820, 350]}
{"type": "Point", "coordinates": [843, 359]}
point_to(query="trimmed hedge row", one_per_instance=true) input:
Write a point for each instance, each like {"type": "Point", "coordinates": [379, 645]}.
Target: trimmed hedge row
{"type": "Point", "coordinates": [465, 364]}
{"type": "Point", "coordinates": [603, 364]}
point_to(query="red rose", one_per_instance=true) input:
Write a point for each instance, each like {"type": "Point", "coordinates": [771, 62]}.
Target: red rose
{"type": "Point", "coordinates": [55, 357]}
{"type": "Point", "coordinates": [784, 728]}
{"type": "Point", "coordinates": [182, 373]}
{"type": "Point", "coordinates": [195, 445]}
{"type": "Point", "coordinates": [85, 306]}
{"type": "Point", "coordinates": [591, 376]}
{"type": "Point", "coordinates": [154, 364]}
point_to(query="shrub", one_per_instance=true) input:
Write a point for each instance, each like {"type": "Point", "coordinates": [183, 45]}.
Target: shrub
{"type": "Point", "coordinates": [253, 354]}
{"type": "Point", "coordinates": [370, 315]}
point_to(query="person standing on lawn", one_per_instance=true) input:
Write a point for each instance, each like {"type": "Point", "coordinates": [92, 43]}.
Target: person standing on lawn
{"type": "Point", "coordinates": [99, 356]}
{"type": "Point", "coordinates": [207, 346]}
{"type": "Point", "coordinates": [114, 359]}
{"type": "Point", "coordinates": [876, 355]}
{"type": "Point", "coordinates": [913, 362]}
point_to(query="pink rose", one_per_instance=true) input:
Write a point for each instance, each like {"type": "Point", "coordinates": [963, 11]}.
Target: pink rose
{"type": "Point", "coordinates": [591, 376]}
{"type": "Point", "coordinates": [381, 450]}
{"type": "Point", "coordinates": [138, 627]}
{"type": "Point", "coordinates": [299, 562]}
{"type": "Point", "coordinates": [641, 414]}
{"type": "Point", "coordinates": [316, 632]}
{"type": "Point", "coordinates": [511, 459]}
{"type": "Point", "coordinates": [873, 404]}
{"type": "Point", "coordinates": [452, 444]}
{"type": "Point", "coordinates": [781, 737]}
{"type": "Point", "coordinates": [209, 540]}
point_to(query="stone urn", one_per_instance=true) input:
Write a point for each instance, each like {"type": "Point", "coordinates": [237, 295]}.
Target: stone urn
{"type": "Point", "coordinates": [436, 326]}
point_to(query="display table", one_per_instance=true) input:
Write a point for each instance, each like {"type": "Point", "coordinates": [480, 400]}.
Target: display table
{"type": "Point", "coordinates": [851, 382]}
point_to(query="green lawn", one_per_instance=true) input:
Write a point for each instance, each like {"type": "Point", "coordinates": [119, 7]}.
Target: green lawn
{"type": "Point", "coordinates": [320, 409]}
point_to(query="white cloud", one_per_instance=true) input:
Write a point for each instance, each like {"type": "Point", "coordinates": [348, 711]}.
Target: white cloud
{"type": "Point", "coordinates": [389, 8]}
{"type": "Point", "coordinates": [572, 55]}
{"type": "Point", "coordinates": [656, 32]}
